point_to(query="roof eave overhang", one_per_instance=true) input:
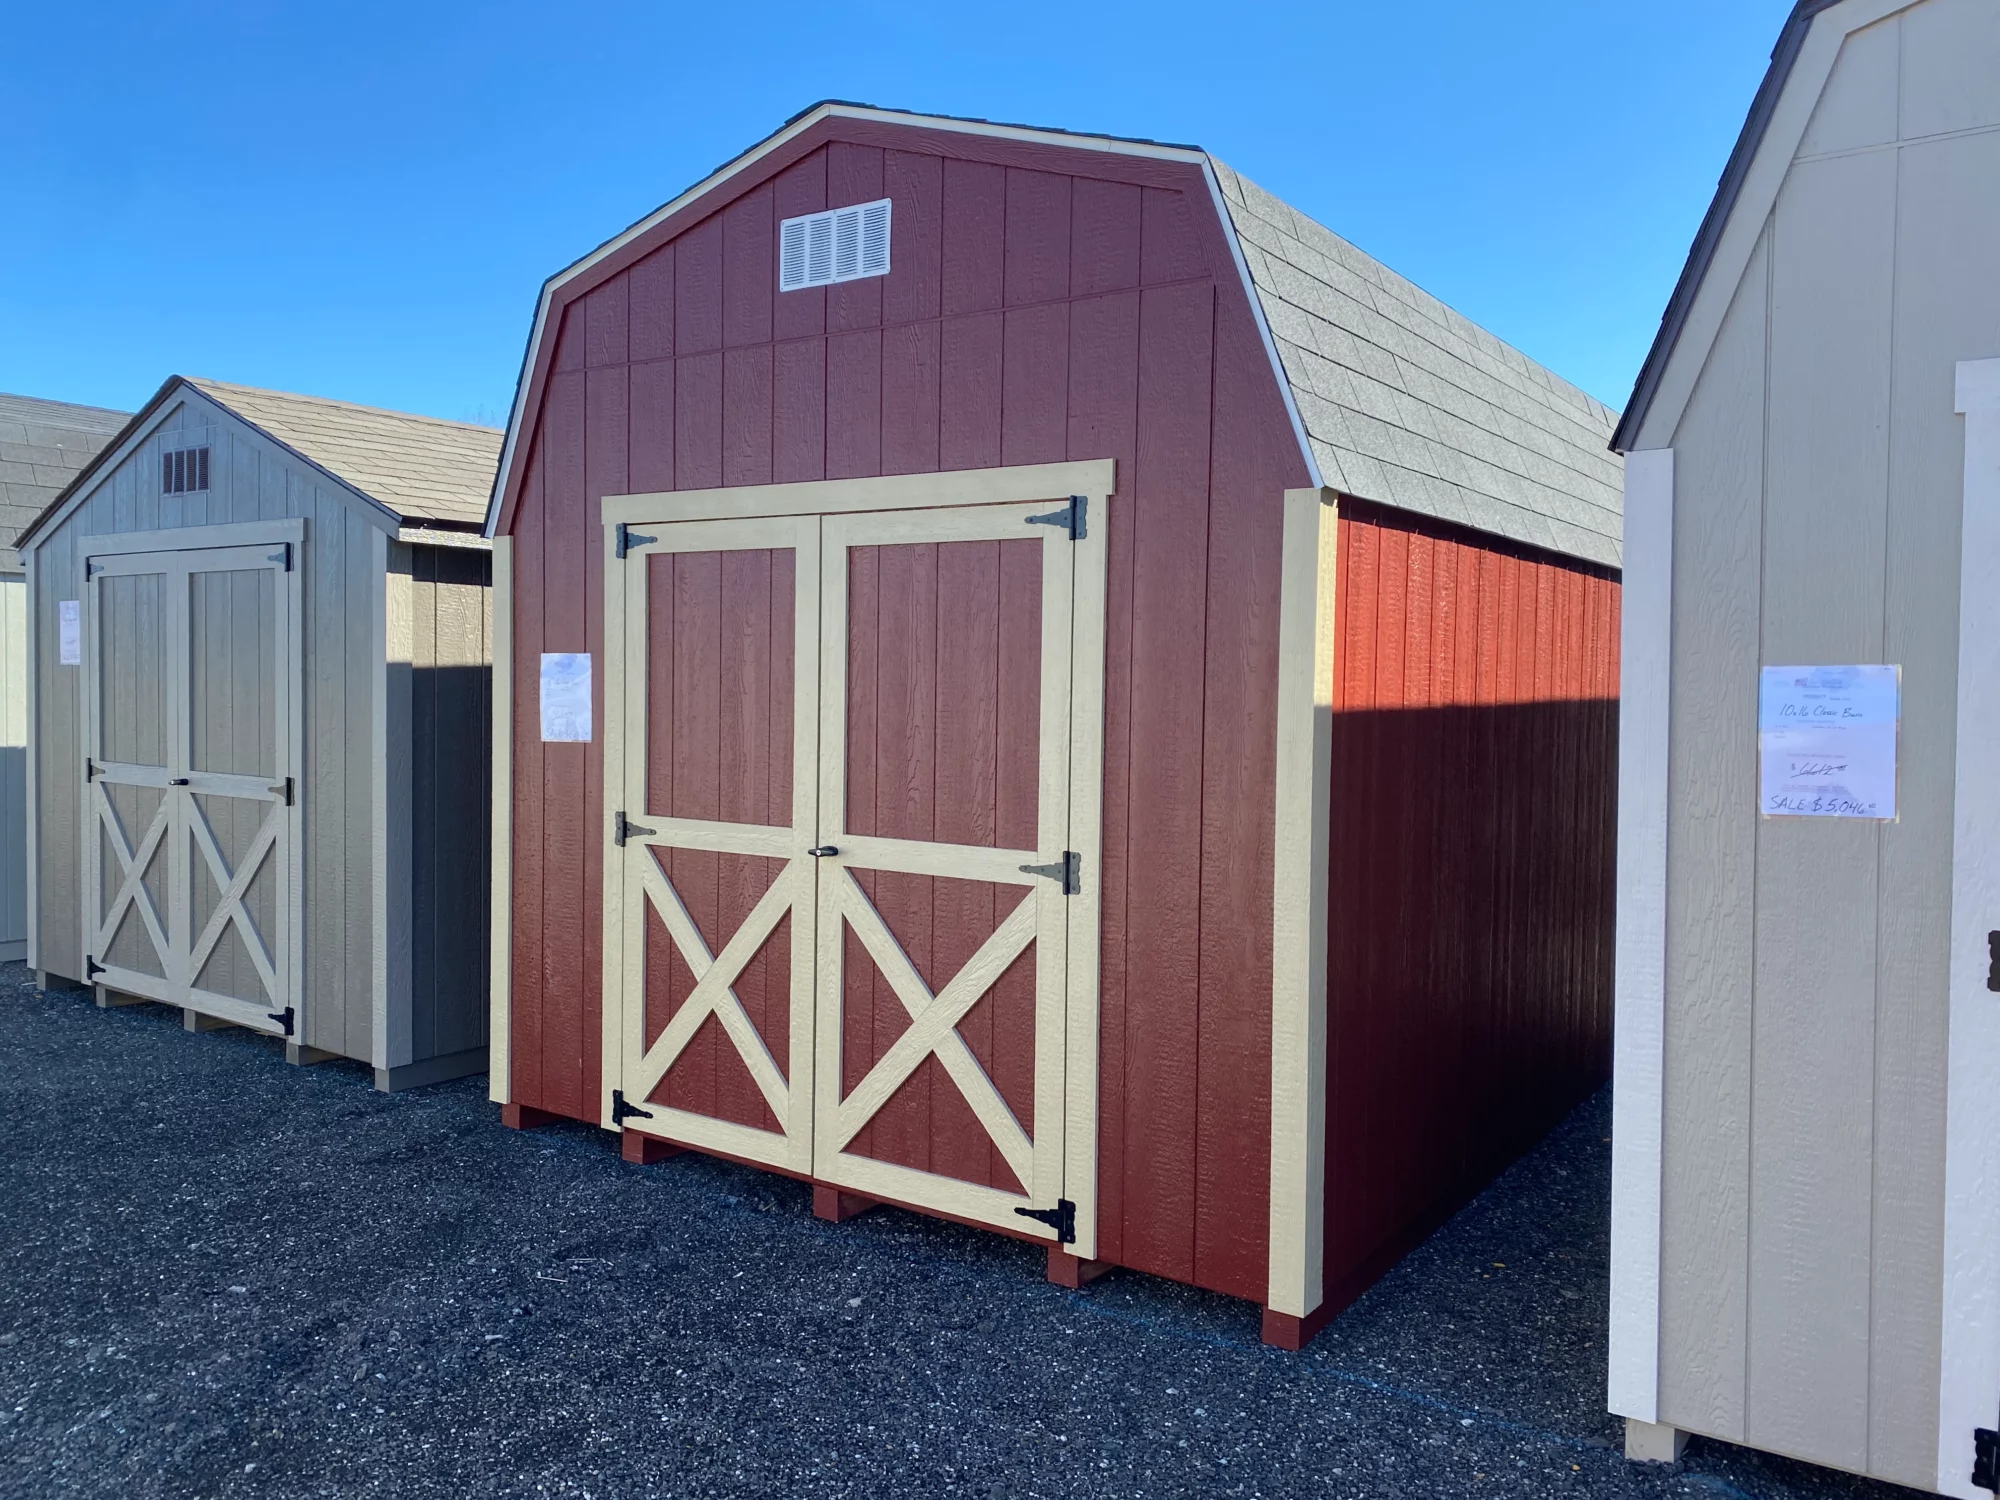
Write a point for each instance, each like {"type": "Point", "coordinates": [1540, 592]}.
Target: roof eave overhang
{"type": "Point", "coordinates": [1708, 238]}
{"type": "Point", "coordinates": [576, 277]}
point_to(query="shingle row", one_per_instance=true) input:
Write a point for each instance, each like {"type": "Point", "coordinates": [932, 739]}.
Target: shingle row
{"type": "Point", "coordinates": [1411, 404]}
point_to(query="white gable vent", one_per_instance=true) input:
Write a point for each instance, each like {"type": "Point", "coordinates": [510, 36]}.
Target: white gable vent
{"type": "Point", "coordinates": [842, 244]}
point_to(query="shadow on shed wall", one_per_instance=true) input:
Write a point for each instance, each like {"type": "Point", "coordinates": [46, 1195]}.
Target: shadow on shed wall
{"type": "Point", "coordinates": [1469, 955]}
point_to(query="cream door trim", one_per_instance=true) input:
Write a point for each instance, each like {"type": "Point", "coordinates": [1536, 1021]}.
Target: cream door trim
{"type": "Point", "coordinates": [959, 487]}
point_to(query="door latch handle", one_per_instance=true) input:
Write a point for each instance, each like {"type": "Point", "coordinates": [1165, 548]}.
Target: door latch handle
{"type": "Point", "coordinates": [178, 781]}
{"type": "Point", "coordinates": [822, 851]}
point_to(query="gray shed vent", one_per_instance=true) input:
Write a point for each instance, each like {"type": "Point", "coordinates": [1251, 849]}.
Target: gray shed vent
{"type": "Point", "coordinates": [841, 244]}
{"type": "Point", "coordinates": [183, 470]}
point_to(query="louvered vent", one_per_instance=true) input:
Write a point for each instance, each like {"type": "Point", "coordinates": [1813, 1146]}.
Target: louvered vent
{"type": "Point", "coordinates": [182, 470]}
{"type": "Point", "coordinates": [842, 244]}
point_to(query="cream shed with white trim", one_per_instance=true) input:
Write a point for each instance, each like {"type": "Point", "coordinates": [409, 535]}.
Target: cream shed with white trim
{"type": "Point", "coordinates": [1806, 1191]}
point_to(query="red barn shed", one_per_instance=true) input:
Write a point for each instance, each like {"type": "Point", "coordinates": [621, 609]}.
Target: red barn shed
{"type": "Point", "coordinates": [1040, 685]}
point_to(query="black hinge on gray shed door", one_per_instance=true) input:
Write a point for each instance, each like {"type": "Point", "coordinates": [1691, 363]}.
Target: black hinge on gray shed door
{"type": "Point", "coordinates": [1986, 1459]}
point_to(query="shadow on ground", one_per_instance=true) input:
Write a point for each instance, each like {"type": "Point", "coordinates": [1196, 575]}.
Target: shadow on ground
{"type": "Point", "coordinates": [226, 1277]}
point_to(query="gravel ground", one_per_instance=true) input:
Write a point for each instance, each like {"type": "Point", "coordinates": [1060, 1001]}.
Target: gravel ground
{"type": "Point", "coordinates": [221, 1277]}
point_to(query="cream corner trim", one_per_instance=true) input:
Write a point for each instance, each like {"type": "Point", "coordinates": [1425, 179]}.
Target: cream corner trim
{"type": "Point", "coordinates": [500, 979]}
{"type": "Point", "coordinates": [1638, 1050]}
{"type": "Point", "coordinates": [1299, 901]}
{"type": "Point", "coordinates": [1969, 1359]}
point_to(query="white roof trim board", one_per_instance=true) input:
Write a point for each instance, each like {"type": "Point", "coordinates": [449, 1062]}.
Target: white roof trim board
{"type": "Point", "coordinates": [1394, 397]}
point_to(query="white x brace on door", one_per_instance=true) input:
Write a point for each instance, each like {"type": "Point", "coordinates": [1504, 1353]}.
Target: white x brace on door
{"type": "Point", "coordinates": [853, 759]}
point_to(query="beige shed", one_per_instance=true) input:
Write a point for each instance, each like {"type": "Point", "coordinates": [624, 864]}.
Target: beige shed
{"type": "Point", "coordinates": [260, 710]}
{"type": "Point", "coordinates": [1806, 1200]}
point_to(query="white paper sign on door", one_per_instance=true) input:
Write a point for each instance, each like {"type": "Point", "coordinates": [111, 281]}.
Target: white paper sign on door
{"type": "Point", "coordinates": [566, 695]}
{"type": "Point", "coordinates": [1826, 741]}
{"type": "Point", "coordinates": [69, 632]}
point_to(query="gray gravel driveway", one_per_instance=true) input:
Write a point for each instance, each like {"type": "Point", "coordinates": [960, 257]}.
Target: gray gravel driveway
{"type": "Point", "coordinates": [222, 1277]}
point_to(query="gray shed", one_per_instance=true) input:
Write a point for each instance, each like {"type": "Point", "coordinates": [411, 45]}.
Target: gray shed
{"type": "Point", "coordinates": [1806, 1201]}
{"type": "Point", "coordinates": [43, 445]}
{"type": "Point", "coordinates": [261, 635]}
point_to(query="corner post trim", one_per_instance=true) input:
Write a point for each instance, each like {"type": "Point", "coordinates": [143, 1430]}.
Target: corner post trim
{"type": "Point", "coordinates": [1639, 1005]}
{"type": "Point", "coordinates": [1969, 1354]}
{"type": "Point", "coordinates": [500, 957]}
{"type": "Point", "coordinates": [1299, 916]}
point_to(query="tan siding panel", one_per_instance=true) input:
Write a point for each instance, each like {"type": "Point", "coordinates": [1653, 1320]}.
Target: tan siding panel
{"type": "Point", "coordinates": [1947, 309]}
{"type": "Point", "coordinates": [1951, 55]}
{"type": "Point", "coordinates": [1858, 107]}
{"type": "Point", "coordinates": [1814, 1037]}
{"type": "Point", "coordinates": [1711, 856]}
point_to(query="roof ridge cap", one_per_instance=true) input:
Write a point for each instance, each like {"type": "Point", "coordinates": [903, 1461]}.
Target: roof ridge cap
{"type": "Point", "coordinates": [334, 403]}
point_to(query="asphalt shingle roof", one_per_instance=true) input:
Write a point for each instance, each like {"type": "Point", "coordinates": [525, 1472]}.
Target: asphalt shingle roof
{"type": "Point", "coordinates": [1412, 405]}
{"type": "Point", "coordinates": [422, 468]}
{"type": "Point", "coordinates": [43, 446]}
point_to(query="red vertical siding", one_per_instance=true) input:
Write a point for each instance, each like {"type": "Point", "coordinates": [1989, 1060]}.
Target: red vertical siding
{"type": "Point", "coordinates": [1473, 840]}
{"type": "Point", "coordinates": [1044, 304]}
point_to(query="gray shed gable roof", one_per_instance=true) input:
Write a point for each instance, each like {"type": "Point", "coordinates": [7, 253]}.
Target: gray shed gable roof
{"type": "Point", "coordinates": [424, 470]}
{"type": "Point", "coordinates": [1410, 404]}
{"type": "Point", "coordinates": [43, 446]}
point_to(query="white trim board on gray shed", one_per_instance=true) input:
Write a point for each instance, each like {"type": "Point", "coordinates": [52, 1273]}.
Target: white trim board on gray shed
{"type": "Point", "coordinates": [261, 724]}
{"type": "Point", "coordinates": [1804, 1201]}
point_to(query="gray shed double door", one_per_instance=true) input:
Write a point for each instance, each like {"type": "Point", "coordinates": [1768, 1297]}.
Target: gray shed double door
{"type": "Point", "coordinates": [192, 773]}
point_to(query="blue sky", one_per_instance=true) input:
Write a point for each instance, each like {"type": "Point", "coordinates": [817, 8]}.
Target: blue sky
{"type": "Point", "coordinates": [360, 200]}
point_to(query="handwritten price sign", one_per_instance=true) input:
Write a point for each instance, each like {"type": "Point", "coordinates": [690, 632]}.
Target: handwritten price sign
{"type": "Point", "coordinates": [1826, 741]}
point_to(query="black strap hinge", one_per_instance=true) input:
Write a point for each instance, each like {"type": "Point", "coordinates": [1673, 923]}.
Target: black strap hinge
{"type": "Point", "coordinates": [623, 828]}
{"type": "Point", "coordinates": [621, 1111]}
{"type": "Point", "coordinates": [1061, 1218]}
{"type": "Point", "coordinates": [91, 968]}
{"type": "Point", "coordinates": [1986, 1459]}
{"type": "Point", "coordinates": [283, 556]}
{"type": "Point", "coordinates": [1073, 518]}
{"type": "Point", "coordinates": [1068, 871]}
{"type": "Point", "coordinates": [284, 1018]}
{"type": "Point", "coordinates": [89, 768]}
{"type": "Point", "coordinates": [628, 539]}
{"type": "Point", "coordinates": [284, 790]}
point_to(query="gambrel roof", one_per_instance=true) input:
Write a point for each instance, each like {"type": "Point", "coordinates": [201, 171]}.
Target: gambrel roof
{"type": "Point", "coordinates": [43, 446]}
{"type": "Point", "coordinates": [1410, 404]}
{"type": "Point", "coordinates": [1394, 397]}
{"type": "Point", "coordinates": [425, 471]}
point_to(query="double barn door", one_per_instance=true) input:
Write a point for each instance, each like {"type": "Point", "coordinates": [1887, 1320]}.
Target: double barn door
{"type": "Point", "coordinates": [852, 761]}
{"type": "Point", "coordinates": [189, 806]}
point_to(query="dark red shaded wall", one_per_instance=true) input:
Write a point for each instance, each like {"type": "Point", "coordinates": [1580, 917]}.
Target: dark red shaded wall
{"type": "Point", "coordinates": [1474, 817]}
{"type": "Point", "coordinates": [1045, 304]}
